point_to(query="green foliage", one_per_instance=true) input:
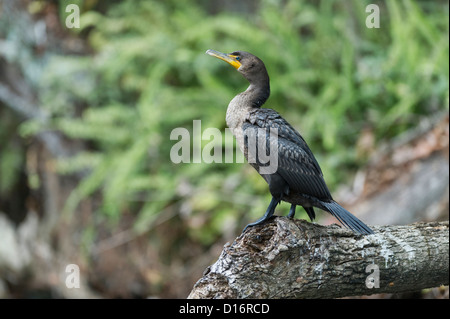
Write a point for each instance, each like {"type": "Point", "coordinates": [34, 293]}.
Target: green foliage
{"type": "Point", "coordinates": [331, 77]}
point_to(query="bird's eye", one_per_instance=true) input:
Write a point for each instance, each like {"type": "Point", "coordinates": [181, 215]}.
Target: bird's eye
{"type": "Point", "coordinates": [238, 58]}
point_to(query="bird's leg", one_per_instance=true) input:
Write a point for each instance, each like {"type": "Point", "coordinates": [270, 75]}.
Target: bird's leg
{"type": "Point", "coordinates": [269, 212]}
{"type": "Point", "coordinates": [292, 211]}
{"type": "Point", "coordinates": [310, 212]}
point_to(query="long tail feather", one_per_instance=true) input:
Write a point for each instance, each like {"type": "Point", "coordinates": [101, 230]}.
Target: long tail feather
{"type": "Point", "coordinates": [346, 218]}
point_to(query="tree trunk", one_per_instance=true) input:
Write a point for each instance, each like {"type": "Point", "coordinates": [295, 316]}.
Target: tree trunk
{"type": "Point", "coordinates": [287, 258]}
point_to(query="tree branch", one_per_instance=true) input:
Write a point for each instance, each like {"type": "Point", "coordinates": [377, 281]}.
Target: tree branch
{"type": "Point", "coordinates": [287, 258]}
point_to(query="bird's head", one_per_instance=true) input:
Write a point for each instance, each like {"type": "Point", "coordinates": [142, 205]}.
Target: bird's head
{"type": "Point", "coordinates": [250, 66]}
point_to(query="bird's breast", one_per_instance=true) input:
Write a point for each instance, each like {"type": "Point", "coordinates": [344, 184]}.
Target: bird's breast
{"type": "Point", "coordinates": [237, 112]}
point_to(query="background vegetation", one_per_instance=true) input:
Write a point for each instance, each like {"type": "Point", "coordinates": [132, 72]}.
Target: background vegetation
{"type": "Point", "coordinates": [142, 72]}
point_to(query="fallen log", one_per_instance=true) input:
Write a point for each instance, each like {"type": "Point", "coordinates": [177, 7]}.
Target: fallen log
{"type": "Point", "coordinates": [287, 258]}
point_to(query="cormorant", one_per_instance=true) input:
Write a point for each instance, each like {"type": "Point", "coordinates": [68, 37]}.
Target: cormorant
{"type": "Point", "coordinates": [298, 178]}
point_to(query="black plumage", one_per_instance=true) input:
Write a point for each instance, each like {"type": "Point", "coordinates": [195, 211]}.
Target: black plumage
{"type": "Point", "coordinates": [298, 178]}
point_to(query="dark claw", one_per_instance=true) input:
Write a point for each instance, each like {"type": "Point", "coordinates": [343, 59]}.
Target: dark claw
{"type": "Point", "coordinates": [269, 213]}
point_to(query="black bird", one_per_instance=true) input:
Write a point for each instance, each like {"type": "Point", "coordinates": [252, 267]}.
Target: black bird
{"type": "Point", "coordinates": [297, 178]}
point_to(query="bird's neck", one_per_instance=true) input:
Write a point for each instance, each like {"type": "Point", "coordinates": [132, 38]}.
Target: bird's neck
{"type": "Point", "coordinates": [257, 93]}
{"type": "Point", "coordinates": [241, 104]}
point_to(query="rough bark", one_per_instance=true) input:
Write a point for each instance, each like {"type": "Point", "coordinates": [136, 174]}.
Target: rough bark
{"type": "Point", "coordinates": [296, 259]}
